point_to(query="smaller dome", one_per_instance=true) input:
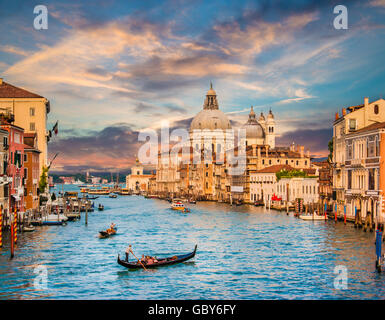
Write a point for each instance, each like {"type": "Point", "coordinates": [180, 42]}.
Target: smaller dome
{"type": "Point", "coordinates": [261, 117]}
{"type": "Point", "coordinates": [211, 92]}
{"type": "Point", "coordinates": [254, 130]}
{"type": "Point", "coordinates": [270, 115]}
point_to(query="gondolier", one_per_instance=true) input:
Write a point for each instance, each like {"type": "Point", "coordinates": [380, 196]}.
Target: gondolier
{"type": "Point", "coordinates": [128, 250]}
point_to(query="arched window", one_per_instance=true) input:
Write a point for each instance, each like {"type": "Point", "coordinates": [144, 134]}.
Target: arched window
{"type": "Point", "coordinates": [376, 109]}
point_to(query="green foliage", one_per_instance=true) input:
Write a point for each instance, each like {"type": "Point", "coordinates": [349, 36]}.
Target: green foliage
{"type": "Point", "coordinates": [43, 180]}
{"type": "Point", "coordinates": [290, 174]}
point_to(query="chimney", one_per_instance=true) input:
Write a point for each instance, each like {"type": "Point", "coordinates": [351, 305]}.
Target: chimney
{"type": "Point", "coordinates": [337, 116]}
{"type": "Point", "coordinates": [301, 148]}
{"type": "Point", "coordinates": [1, 81]}
{"type": "Point", "coordinates": [343, 112]}
{"type": "Point", "coordinates": [366, 101]}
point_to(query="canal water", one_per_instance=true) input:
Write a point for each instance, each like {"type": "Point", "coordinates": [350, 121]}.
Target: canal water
{"type": "Point", "coordinates": [243, 252]}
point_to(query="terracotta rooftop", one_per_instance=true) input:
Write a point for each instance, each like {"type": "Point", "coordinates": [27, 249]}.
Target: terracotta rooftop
{"type": "Point", "coordinates": [374, 126]}
{"type": "Point", "coordinates": [9, 91]}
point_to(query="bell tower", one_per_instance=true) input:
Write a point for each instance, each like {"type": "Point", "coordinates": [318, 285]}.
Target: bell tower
{"type": "Point", "coordinates": [270, 130]}
{"type": "Point", "coordinates": [211, 101]}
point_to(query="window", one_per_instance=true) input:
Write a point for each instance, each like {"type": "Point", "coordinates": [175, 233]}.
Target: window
{"type": "Point", "coordinates": [25, 173]}
{"type": "Point", "coordinates": [349, 179]}
{"type": "Point", "coordinates": [25, 158]}
{"type": "Point", "coordinates": [371, 179]}
{"type": "Point", "coordinates": [287, 161]}
{"type": "Point", "coordinates": [376, 109]}
{"type": "Point", "coordinates": [352, 124]}
{"type": "Point", "coordinates": [371, 148]}
{"type": "Point", "coordinates": [32, 126]}
{"type": "Point", "coordinates": [32, 112]}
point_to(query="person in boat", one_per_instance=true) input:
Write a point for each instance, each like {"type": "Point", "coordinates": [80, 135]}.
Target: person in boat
{"type": "Point", "coordinates": [143, 259]}
{"type": "Point", "coordinates": [111, 228]}
{"type": "Point", "coordinates": [128, 250]}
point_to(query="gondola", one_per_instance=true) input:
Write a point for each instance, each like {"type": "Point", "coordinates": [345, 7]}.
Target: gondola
{"type": "Point", "coordinates": [161, 262]}
{"type": "Point", "coordinates": [101, 207]}
{"type": "Point", "coordinates": [105, 234]}
{"type": "Point", "coordinates": [91, 198]}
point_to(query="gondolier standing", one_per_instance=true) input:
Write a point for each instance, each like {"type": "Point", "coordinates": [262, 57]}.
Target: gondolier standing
{"type": "Point", "coordinates": [128, 250]}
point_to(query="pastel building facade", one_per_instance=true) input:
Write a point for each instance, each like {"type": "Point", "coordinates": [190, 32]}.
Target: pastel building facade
{"type": "Point", "coordinates": [357, 161]}
{"type": "Point", "coordinates": [30, 112]}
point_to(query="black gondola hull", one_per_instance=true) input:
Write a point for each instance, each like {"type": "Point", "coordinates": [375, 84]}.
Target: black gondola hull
{"type": "Point", "coordinates": [164, 262]}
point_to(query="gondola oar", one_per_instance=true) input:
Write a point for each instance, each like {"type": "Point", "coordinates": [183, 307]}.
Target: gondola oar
{"type": "Point", "coordinates": [138, 260]}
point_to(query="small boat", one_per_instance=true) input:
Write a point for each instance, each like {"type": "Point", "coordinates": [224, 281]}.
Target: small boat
{"type": "Point", "coordinates": [73, 216]}
{"type": "Point", "coordinates": [192, 201]}
{"type": "Point", "coordinates": [101, 207]}
{"type": "Point", "coordinates": [312, 217]}
{"type": "Point", "coordinates": [161, 262]}
{"type": "Point", "coordinates": [91, 198]}
{"type": "Point", "coordinates": [112, 195]}
{"type": "Point", "coordinates": [178, 206]}
{"type": "Point", "coordinates": [106, 234]}
{"type": "Point", "coordinates": [259, 203]}
{"type": "Point", "coordinates": [29, 228]}
{"type": "Point", "coordinates": [54, 219]}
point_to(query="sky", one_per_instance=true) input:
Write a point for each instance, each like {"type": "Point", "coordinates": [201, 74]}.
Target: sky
{"type": "Point", "coordinates": [112, 68]}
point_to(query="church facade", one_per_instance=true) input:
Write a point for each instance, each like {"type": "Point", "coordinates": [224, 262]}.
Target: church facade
{"type": "Point", "coordinates": [211, 138]}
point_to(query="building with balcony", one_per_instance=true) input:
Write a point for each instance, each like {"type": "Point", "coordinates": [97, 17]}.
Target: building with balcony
{"type": "Point", "coordinates": [4, 181]}
{"type": "Point", "coordinates": [357, 170]}
{"type": "Point", "coordinates": [31, 171]}
{"type": "Point", "coordinates": [15, 166]}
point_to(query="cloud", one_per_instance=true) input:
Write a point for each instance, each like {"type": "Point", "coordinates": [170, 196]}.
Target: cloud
{"type": "Point", "coordinates": [314, 140]}
{"type": "Point", "coordinates": [14, 50]}
{"type": "Point", "coordinates": [377, 3]}
{"type": "Point", "coordinates": [113, 146]}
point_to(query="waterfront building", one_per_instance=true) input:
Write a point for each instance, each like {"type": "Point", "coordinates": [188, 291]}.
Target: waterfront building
{"type": "Point", "coordinates": [357, 155]}
{"type": "Point", "coordinates": [210, 138]}
{"type": "Point", "coordinates": [137, 181]}
{"type": "Point", "coordinates": [325, 180]}
{"type": "Point", "coordinates": [67, 180]}
{"type": "Point", "coordinates": [15, 166]}
{"type": "Point", "coordinates": [31, 171]}
{"type": "Point", "coordinates": [4, 180]}
{"type": "Point", "coordinates": [265, 185]}
{"type": "Point", "coordinates": [29, 111]}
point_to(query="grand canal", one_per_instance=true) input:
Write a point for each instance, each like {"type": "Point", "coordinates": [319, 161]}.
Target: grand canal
{"type": "Point", "coordinates": [243, 253]}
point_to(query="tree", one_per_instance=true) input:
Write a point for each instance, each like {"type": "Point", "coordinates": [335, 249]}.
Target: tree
{"type": "Point", "coordinates": [43, 180]}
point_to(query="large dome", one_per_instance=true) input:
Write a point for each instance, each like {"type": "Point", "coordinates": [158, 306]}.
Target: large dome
{"type": "Point", "coordinates": [210, 119]}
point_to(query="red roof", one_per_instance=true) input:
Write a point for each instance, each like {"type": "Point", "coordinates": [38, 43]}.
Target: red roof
{"type": "Point", "coordinates": [374, 126]}
{"type": "Point", "coordinates": [9, 91]}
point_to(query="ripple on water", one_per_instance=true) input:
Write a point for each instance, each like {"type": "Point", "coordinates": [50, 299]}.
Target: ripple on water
{"type": "Point", "coordinates": [243, 253]}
